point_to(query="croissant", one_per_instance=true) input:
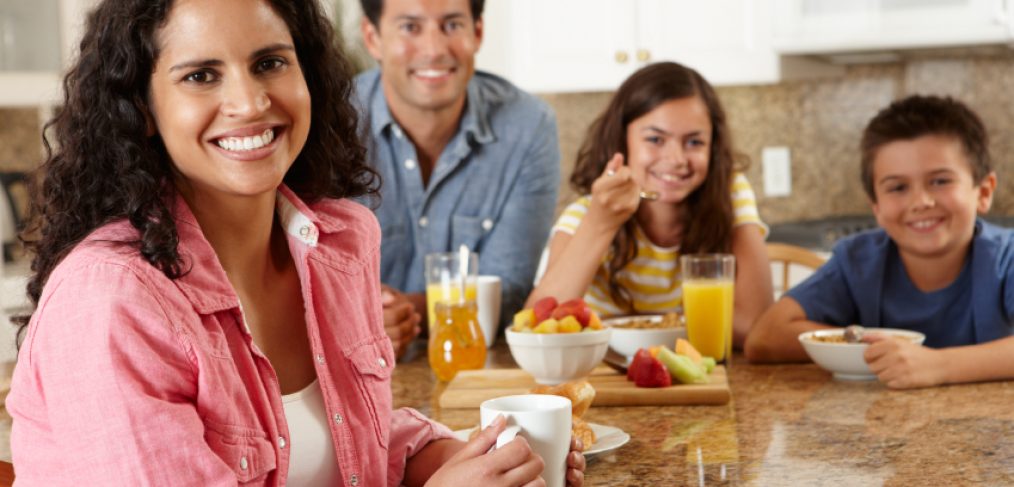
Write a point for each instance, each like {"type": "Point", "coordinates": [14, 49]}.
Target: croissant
{"type": "Point", "coordinates": [580, 393]}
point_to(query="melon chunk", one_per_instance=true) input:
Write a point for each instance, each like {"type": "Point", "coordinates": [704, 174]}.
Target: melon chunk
{"type": "Point", "coordinates": [684, 347]}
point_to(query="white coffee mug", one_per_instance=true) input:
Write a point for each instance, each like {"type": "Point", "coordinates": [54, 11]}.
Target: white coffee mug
{"type": "Point", "coordinates": [488, 300]}
{"type": "Point", "coordinates": [544, 421]}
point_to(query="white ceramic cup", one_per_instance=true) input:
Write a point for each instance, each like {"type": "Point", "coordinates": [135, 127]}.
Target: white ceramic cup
{"type": "Point", "coordinates": [544, 421]}
{"type": "Point", "coordinates": [488, 299]}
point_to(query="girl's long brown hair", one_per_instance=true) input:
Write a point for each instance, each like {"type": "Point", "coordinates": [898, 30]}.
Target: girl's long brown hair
{"type": "Point", "coordinates": [709, 215]}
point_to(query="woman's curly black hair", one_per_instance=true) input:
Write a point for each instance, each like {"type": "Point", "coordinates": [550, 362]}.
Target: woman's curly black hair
{"type": "Point", "coordinates": [102, 165]}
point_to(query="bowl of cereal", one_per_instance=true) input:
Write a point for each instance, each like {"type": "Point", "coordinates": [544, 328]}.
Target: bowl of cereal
{"type": "Point", "coordinates": [631, 333]}
{"type": "Point", "coordinates": [828, 349]}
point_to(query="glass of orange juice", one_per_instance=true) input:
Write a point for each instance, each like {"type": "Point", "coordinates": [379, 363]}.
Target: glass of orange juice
{"type": "Point", "coordinates": [444, 279]}
{"type": "Point", "coordinates": [708, 302]}
{"type": "Point", "coordinates": [456, 340]}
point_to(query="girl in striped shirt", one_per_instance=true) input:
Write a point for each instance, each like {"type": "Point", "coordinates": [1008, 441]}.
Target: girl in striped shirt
{"type": "Point", "coordinates": [659, 178]}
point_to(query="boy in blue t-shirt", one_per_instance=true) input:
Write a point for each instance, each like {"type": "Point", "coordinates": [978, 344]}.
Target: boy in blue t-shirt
{"type": "Point", "coordinates": [932, 267]}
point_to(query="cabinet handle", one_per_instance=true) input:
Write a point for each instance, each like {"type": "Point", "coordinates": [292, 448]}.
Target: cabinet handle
{"type": "Point", "coordinates": [621, 57]}
{"type": "Point", "coordinates": [643, 55]}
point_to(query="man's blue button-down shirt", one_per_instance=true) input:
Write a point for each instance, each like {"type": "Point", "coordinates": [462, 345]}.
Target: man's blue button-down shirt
{"type": "Point", "coordinates": [494, 187]}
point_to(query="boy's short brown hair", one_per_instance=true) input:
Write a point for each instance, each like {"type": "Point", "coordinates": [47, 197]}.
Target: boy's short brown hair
{"type": "Point", "coordinates": [916, 116]}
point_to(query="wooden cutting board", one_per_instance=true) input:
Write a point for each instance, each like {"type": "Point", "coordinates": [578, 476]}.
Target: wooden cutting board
{"type": "Point", "coordinates": [471, 387]}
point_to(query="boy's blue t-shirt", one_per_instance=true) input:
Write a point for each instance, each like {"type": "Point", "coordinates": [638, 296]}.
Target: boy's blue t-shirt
{"type": "Point", "coordinates": [865, 282]}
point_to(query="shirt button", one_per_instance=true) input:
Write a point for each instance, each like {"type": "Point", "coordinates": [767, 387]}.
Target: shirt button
{"type": "Point", "coordinates": [354, 479]}
{"type": "Point", "coordinates": [409, 164]}
{"type": "Point", "coordinates": [424, 221]}
{"type": "Point", "coordinates": [243, 464]}
{"type": "Point", "coordinates": [338, 419]}
{"type": "Point", "coordinates": [320, 358]}
{"type": "Point", "coordinates": [487, 224]}
{"type": "Point", "coordinates": [397, 131]}
{"type": "Point", "coordinates": [281, 442]}
{"type": "Point", "coordinates": [382, 362]}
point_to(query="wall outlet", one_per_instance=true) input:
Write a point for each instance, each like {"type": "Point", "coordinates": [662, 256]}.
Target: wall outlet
{"type": "Point", "coordinates": [777, 171]}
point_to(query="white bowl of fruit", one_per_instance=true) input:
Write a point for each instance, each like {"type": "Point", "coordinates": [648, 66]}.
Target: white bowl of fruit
{"type": "Point", "coordinates": [557, 342]}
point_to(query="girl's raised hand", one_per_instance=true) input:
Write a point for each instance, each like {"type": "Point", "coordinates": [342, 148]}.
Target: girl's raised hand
{"type": "Point", "coordinates": [513, 464]}
{"type": "Point", "coordinates": [615, 195]}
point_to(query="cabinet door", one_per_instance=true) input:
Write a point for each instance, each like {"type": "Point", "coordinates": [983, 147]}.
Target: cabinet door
{"type": "Point", "coordinates": [828, 26]}
{"type": "Point", "coordinates": [727, 41]}
{"type": "Point", "coordinates": [559, 45]}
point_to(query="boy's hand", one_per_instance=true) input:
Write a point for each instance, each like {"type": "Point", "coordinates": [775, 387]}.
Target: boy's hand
{"type": "Point", "coordinates": [901, 364]}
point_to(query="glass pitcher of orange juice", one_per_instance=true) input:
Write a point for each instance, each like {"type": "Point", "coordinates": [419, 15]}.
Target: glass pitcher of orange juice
{"type": "Point", "coordinates": [456, 340]}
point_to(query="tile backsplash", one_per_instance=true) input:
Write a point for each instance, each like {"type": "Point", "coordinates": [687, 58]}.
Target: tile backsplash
{"type": "Point", "coordinates": [819, 120]}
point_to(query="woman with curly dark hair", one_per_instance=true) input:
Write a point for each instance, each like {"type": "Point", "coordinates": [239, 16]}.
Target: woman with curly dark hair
{"type": "Point", "coordinates": [660, 178]}
{"type": "Point", "coordinates": [207, 298]}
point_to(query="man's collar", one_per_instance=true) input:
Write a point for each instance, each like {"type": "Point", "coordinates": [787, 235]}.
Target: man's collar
{"type": "Point", "coordinates": [474, 118]}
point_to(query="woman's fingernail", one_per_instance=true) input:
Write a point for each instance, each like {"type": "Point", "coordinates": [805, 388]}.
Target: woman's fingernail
{"type": "Point", "coordinates": [497, 421]}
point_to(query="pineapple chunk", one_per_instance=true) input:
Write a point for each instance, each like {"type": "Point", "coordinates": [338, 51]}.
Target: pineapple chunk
{"type": "Point", "coordinates": [569, 324]}
{"type": "Point", "coordinates": [548, 326]}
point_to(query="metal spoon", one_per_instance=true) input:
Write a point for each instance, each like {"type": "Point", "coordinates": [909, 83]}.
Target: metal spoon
{"type": "Point", "coordinates": [648, 195]}
{"type": "Point", "coordinates": [853, 334]}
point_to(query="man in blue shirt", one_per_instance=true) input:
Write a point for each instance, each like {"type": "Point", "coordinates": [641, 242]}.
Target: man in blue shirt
{"type": "Point", "coordinates": [465, 157]}
{"type": "Point", "coordinates": [932, 267]}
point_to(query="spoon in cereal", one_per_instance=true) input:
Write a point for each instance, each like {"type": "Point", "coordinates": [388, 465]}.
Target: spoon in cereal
{"type": "Point", "coordinates": [853, 334]}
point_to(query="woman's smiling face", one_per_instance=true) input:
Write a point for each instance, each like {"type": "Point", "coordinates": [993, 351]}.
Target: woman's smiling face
{"type": "Point", "coordinates": [668, 148]}
{"type": "Point", "coordinates": [228, 97]}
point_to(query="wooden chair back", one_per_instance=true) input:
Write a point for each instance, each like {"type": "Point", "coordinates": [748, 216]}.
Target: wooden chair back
{"type": "Point", "coordinates": [788, 255]}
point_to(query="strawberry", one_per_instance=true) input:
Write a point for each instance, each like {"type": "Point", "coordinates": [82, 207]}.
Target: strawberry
{"type": "Point", "coordinates": [571, 307]}
{"type": "Point", "coordinates": [637, 363]}
{"type": "Point", "coordinates": [653, 374]}
{"type": "Point", "coordinates": [544, 308]}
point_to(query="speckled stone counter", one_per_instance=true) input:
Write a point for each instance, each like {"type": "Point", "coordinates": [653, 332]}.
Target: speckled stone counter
{"type": "Point", "coordinates": [786, 425]}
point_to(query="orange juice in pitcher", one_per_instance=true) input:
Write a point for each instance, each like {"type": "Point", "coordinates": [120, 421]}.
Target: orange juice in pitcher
{"type": "Point", "coordinates": [456, 341]}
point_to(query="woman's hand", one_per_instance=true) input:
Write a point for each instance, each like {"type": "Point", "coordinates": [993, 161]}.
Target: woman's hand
{"type": "Point", "coordinates": [615, 195]}
{"type": "Point", "coordinates": [514, 464]}
{"type": "Point", "coordinates": [575, 463]}
{"type": "Point", "coordinates": [901, 364]}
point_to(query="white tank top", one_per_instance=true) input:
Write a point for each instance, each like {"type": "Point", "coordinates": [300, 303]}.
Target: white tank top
{"type": "Point", "coordinates": [312, 458]}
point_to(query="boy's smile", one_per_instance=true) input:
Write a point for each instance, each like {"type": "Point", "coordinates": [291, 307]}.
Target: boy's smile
{"type": "Point", "coordinates": [926, 198]}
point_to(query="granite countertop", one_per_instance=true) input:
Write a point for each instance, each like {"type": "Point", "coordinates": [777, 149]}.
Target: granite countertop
{"type": "Point", "coordinates": [786, 425]}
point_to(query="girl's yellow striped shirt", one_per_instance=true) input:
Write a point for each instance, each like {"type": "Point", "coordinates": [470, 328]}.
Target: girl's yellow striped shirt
{"type": "Point", "coordinates": [653, 277]}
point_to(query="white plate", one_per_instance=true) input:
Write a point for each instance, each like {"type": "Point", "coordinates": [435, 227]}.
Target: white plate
{"type": "Point", "coordinates": [607, 438]}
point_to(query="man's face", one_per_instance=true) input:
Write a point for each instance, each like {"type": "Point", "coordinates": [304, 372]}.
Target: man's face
{"type": "Point", "coordinates": [927, 199]}
{"type": "Point", "coordinates": [426, 50]}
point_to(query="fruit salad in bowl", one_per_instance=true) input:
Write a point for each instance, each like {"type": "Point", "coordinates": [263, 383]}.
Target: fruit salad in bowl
{"type": "Point", "coordinates": [557, 342]}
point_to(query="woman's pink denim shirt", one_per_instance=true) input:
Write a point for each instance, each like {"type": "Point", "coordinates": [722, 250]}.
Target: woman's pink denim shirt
{"type": "Point", "coordinates": [126, 377]}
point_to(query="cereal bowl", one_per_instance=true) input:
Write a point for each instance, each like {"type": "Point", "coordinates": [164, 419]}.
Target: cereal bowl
{"type": "Point", "coordinates": [553, 358]}
{"type": "Point", "coordinates": [828, 349]}
{"type": "Point", "coordinates": [629, 335]}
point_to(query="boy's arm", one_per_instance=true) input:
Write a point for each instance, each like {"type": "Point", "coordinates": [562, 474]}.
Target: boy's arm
{"type": "Point", "coordinates": [775, 336]}
{"type": "Point", "coordinates": [904, 365]}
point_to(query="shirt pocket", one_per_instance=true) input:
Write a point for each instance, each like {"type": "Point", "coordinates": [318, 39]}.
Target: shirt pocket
{"type": "Point", "coordinates": [248, 452]}
{"type": "Point", "coordinates": [468, 230]}
{"type": "Point", "coordinates": [374, 362]}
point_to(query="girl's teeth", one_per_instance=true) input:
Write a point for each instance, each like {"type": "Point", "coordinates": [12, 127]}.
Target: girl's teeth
{"type": "Point", "coordinates": [238, 144]}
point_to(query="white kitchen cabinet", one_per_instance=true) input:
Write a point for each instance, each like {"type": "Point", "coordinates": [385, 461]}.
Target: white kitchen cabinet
{"type": "Point", "coordinates": [593, 45]}
{"type": "Point", "coordinates": [39, 38]}
{"type": "Point", "coordinates": [835, 26]}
